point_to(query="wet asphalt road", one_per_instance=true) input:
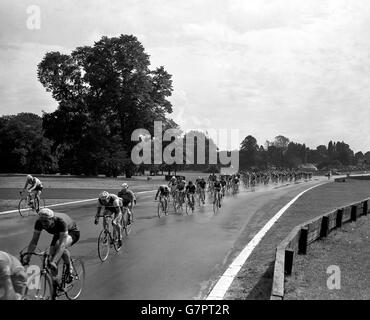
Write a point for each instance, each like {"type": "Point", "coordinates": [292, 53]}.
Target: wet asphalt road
{"type": "Point", "coordinates": [175, 257]}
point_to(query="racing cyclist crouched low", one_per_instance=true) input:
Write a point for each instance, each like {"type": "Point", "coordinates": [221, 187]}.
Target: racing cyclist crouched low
{"type": "Point", "coordinates": [202, 188]}
{"type": "Point", "coordinates": [190, 192]}
{"type": "Point", "coordinates": [163, 192]}
{"type": "Point", "coordinates": [112, 205]}
{"type": "Point", "coordinates": [128, 200]}
{"type": "Point", "coordinates": [65, 234]}
{"type": "Point", "coordinates": [35, 189]}
{"type": "Point", "coordinates": [217, 188]}
{"type": "Point", "coordinates": [223, 185]}
{"type": "Point", "coordinates": [13, 278]}
{"type": "Point", "coordinates": [181, 184]}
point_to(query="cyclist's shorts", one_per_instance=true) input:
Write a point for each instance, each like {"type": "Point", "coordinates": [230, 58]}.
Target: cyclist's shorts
{"type": "Point", "coordinates": [217, 189]}
{"type": "Point", "coordinates": [125, 203]}
{"type": "Point", "coordinates": [75, 235]}
{"type": "Point", "coordinates": [38, 188]}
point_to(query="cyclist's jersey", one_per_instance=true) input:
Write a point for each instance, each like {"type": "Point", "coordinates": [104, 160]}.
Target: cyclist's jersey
{"type": "Point", "coordinates": [126, 196]}
{"type": "Point", "coordinates": [190, 188]}
{"type": "Point", "coordinates": [164, 190]}
{"type": "Point", "coordinates": [217, 185]}
{"type": "Point", "coordinates": [223, 183]}
{"type": "Point", "coordinates": [202, 184]}
{"type": "Point", "coordinates": [36, 183]}
{"type": "Point", "coordinates": [62, 223]}
{"type": "Point", "coordinates": [114, 202]}
{"type": "Point", "coordinates": [9, 265]}
{"type": "Point", "coordinates": [172, 183]}
{"type": "Point", "coordinates": [181, 185]}
{"type": "Point", "coordinates": [212, 178]}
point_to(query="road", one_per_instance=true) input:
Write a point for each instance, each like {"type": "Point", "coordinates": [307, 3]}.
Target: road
{"type": "Point", "coordinates": [175, 257]}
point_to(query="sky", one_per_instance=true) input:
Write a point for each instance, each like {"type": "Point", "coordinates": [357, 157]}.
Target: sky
{"type": "Point", "coordinates": [261, 67]}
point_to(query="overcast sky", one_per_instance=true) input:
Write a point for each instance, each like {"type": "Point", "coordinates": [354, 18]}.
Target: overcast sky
{"type": "Point", "coordinates": [266, 67]}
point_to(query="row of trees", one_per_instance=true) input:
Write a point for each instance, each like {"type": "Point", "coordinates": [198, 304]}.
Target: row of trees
{"type": "Point", "coordinates": [104, 93]}
{"type": "Point", "coordinates": [284, 153]}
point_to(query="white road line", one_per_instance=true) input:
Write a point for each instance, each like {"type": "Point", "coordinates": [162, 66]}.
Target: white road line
{"type": "Point", "coordinates": [73, 202]}
{"type": "Point", "coordinates": [219, 290]}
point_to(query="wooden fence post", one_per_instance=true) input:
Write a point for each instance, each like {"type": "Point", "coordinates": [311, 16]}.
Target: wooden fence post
{"type": "Point", "coordinates": [288, 265]}
{"type": "Point", "coordinates": [353, 213]}
{"type": "Point", "coordinates": [303, 238]}
{"type": "Point", "coordinates": [365, 208]}
{"type": "Point", "coordinates": [339, 218]}
{"type": "Point", "coordinates": [324, 231]}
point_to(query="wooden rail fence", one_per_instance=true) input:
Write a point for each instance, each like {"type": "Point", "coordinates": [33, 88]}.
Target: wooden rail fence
{"type": "Point", "coordinates": [304, 234]}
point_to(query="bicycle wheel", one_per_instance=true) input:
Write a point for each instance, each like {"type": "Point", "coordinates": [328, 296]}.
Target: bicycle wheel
{"type": "Point", "coordinates": [23, 208]}
{"type": "Point", "coordinates": [39, 287]}
{"type": "Point", "coordinates": [215, 206]}
{"type": "Point", "coordinates": [160, 209]}
{"type": "Point", "coordinates": [103, 245]}
{"type": "Point", "coordinates": [187, 207]}
{"type": "Point", "coordinates": [74, 289]}
{"type": "Point", "coordinates": [115, 240]}
{"type": "Point", "coordinates": [166, 207]}
{"type": "Point", "coordinates": [126, 227]}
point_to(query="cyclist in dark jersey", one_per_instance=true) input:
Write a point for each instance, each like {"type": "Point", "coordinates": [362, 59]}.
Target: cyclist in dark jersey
{"type": "Point", "coordinates": [190, 190]}
{"type": "Point", "coordinates": [202, 187]}
{"type": "Point", "coordinates": [65, 234]}
{"type": "Point", "coordinates": [217, 187]}
{"type": "Point", "coordinates": [163, 190]}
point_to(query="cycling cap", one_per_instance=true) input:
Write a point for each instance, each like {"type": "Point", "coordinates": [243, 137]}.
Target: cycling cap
{"type": "Point", "coordinates": [104, 195]}
{"type": "Point", "coordinates": [124, 185]}
{"type": "Point", "coordinates": [29, 178]}
{"type": "Point", "coordinates": [46, 213]}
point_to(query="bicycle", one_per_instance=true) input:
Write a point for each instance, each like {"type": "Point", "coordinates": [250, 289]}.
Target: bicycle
{"type": "Point", "coordinates": [202, 196]}
{"type": "Point", "coordinates": [216, 202]}
{"type": "Point", "coordinates": [106, 240]}
{"type": "Point", "coordinates": [178, 202]}
{"type": "Point", "coordinates": [189, 204]}
{"type": "Point", "coordinates": [48, 287]}
{"type": "Point", "coordinates": [162, 206]}
{"type": "Point", "coordinates": [29, 203]}
{"type": "Point", "coordinates": [127, 227]}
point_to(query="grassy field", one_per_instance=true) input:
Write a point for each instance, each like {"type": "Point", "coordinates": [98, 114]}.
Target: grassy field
{"type": "Point", "coordinates": [349, 249]}
{"type": "Point", "coordinates": [254, 280]}
{"type": "Point", "coordinates": [18, 181]}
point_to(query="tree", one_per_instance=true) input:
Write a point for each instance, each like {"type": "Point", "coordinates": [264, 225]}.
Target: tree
{"type": "Point", "coordinates": [23, 146]}
{"type": "Point", "coordinates": [104, 92]}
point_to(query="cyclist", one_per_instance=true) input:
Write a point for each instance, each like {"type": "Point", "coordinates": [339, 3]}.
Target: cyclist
{"type": "Point", "coordinates": [112, 205]}
{"type": "Point", "coordinates": [211, 179]}
{"type": "Point", "coordinates": [181, 183]}
{"type": "Point", "coordinates": [35, 189]}
{"type": "Point", "coordinates": [202, 188]}
{"type": "Point", "coordinates": [190, 190]}
{"type": "Point", "coordinates": [13, 278]}
{"type": "Point", "coordinates": [173, 185]}
{"type": "Point", "coordinates": [163, 191]}
{"type": "Point", "coordinates": [128, 200]}
{"type": "Point", "coordinates": [217, 188]}
{"type": "Point", "coordinates": [223, 185]}
{"type": "Point", "coordinates": [236, 182]}
{"type": "Point", "coordinates": [65, 234]}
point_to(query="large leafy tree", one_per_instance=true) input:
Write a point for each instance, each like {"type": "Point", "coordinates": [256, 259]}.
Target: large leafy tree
{"type": "Point", "coordinates": [23, 146]}
{"type": "Point", "coordinates": [105, 92]}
